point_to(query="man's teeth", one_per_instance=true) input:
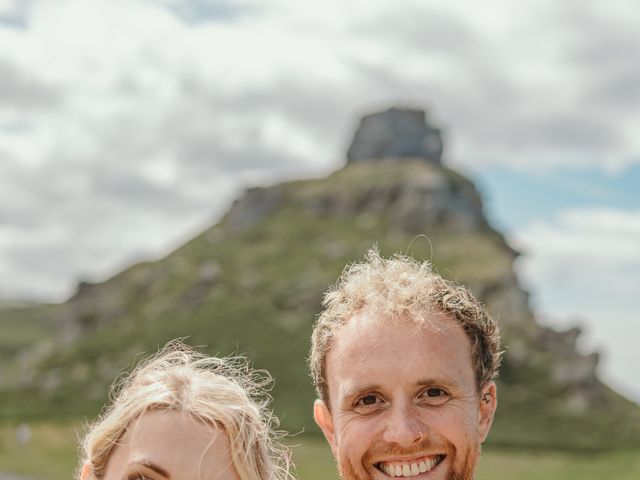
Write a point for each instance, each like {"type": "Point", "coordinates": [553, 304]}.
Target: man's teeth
{"type": "Point", "coordinates": [397, 469]}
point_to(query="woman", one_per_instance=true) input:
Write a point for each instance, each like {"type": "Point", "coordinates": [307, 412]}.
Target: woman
{"type": "Point", "coordinates": [182, 415]}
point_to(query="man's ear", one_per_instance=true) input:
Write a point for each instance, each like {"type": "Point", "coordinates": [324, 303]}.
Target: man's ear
{"type": "Point", "coordinates": [85, 473]}
{"type": "Point", "coordinates": [323, 418]}
{"type": "Point", "coordinates": [488, 404]}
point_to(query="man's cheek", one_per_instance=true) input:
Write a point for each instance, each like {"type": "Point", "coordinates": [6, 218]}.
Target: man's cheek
{"type": "Point", "coordinates": [351, 468]}
{"type": "Point", "coordinates": [351, 448]}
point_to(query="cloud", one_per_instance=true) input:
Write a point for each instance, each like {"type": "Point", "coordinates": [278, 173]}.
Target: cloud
{"type": "Point", "coordinates": [585, 264]}
{"type": "Point", "coordinates": [588, 247]}
{"type": "Point", "coordinates": [151, 116]}
{"type": "Point", "coordinates": [200, 11]}
{"type": "Point", "coordinates": [20, 91]}
{"type": "Point", "coordinates": [13, 13]}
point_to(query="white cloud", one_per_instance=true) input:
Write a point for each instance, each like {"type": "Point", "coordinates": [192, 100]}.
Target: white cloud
{"type": "Point", "coordinates": [589, 248]}
{"type": "Point", "coordinates": [114, 110]}
{"type": "Point", "coordinates": [584, 266]}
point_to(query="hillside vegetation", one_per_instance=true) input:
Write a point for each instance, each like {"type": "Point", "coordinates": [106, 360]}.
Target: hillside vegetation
{"type": "Point", "coordinates": [253, 284]}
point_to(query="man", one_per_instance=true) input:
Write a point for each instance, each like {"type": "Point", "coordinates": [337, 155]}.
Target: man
{"type": "Point", "coordinates": [403, 362]}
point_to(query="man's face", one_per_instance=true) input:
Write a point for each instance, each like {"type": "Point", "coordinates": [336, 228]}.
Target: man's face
{"type": "Point", "coordinates": [403, 401]}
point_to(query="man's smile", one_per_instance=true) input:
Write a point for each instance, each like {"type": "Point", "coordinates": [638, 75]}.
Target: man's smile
{"type": "Point", "coordinates": [410, 467]}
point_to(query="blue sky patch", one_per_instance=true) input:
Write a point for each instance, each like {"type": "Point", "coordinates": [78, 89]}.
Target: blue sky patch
{"type": "Point", "coordinates": [514, 198]}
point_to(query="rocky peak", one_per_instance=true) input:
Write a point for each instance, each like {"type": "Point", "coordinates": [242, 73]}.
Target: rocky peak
{"type": "Point", "coordinates": [396, 133]}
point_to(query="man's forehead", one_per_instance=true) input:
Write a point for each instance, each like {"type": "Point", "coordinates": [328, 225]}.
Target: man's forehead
{"type": "Point", "coordinates": [368, 322]}
{"type": "Point", "coordinates": [433, 341]}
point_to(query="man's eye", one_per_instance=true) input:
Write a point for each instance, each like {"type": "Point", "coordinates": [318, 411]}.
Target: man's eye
{"type": "Point", "coordinates": [435, 396]}
{"type": "Point", "coordinates": [367, 401]}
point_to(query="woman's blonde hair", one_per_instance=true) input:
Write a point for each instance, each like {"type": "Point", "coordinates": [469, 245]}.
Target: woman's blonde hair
{"type": "Point", "coordinates": [222, 392]}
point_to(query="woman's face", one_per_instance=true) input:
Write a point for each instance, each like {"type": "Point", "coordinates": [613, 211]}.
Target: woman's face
{"type": "Point", "coordinates": [169, 445]}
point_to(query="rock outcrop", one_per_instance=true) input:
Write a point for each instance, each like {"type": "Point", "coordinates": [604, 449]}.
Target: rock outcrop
{"type": "Point", "coordinates": [396, 133]}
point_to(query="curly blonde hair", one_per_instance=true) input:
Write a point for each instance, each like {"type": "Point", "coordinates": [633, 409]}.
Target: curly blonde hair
{"type": "Point", "coordinates": [401, 287]}
{"type": "Point", "coordinates": [222, 392]}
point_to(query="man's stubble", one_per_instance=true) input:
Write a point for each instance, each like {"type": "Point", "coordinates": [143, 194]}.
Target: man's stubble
{"type": "Point", "coordinates": [465, 471]}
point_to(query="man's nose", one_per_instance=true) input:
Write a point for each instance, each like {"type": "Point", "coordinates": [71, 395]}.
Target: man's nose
{"type": "Point", "coordinates": [403, 426]}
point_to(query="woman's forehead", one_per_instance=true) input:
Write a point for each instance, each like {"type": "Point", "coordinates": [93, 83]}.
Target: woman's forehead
{"type": "Point", "coordinates": [176, 443]}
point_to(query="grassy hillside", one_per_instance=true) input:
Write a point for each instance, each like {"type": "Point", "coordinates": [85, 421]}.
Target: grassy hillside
{"type": "Point", "coordinates": [22, 327]}
{"type": "Point", "coordinates": [253, 283]}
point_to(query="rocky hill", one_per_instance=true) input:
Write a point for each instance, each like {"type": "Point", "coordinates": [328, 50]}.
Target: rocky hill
{"type": "Point", "coordinates": [253, 283]}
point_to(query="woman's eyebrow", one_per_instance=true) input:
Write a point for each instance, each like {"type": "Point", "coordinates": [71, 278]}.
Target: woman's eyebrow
{"type": "Point", "coordinates": [152, 466]}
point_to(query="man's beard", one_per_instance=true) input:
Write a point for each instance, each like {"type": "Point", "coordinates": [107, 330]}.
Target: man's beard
{"type": "Point", "coordinates": [464, 469]}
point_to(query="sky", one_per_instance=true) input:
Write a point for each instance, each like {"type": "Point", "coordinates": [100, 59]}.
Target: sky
{"type": "Point", "coordinates": [126, 126]}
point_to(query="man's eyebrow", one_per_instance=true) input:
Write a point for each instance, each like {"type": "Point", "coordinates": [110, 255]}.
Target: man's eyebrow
{"type": "Point", "coordinates": [356, 389]}
{"type": "Point", "coordinates": [435, 381]}
{"type": "Point", "coordinates": [152, 466]}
